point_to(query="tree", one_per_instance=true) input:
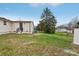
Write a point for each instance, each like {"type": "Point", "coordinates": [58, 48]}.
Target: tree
{"type": "Point", "coordinates": [72, 24]}
{"type": "Point", "coordinates": [77, 25]}
{"type": "Point", "coordinates": [48, 22]}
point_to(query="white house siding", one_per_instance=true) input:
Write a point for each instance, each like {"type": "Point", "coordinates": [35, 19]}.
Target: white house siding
{"type": "Point", "coordinates": [76, 36]}
{"type": "Point", "coordinates": [4, 28]}
{"type": "Point", "coordinates": [32, 27]}
{"type": "Point", "coordinates": [28, 27]}
{"type": "Point", "coordinates": [14, 25]}
{"type": "Point", "coordinates": [11, 26]}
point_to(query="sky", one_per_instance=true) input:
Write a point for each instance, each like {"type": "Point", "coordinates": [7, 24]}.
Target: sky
{"type": "Point", "coordinates": [64, 12]}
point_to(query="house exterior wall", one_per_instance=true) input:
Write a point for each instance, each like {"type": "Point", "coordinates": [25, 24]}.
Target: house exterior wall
{"type": "Point", "coordinates": [4, 28]}
{"type": "Point", "coordinates": [28, 27]}
{"type": "Point", "coordinates": [76, 36]}
{"type": "Point", "coordinates": [12, 26]}
{"type": "Point", "coordinates": [32, 27]}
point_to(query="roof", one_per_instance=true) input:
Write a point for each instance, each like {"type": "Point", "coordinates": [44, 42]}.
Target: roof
{"type": "Point", "coordinates": [23, 21]}
{"type": "Point", "coordinates": [4, 19]}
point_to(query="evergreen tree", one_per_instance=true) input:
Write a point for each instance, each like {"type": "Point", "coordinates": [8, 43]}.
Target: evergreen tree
{"type": "Point", "coordinates": [48, 22]}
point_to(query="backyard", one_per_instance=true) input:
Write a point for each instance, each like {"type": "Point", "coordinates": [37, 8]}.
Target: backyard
{"type": "Point", "coordinates": [37, 44]}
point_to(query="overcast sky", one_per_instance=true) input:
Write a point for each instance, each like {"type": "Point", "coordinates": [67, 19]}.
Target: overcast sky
{"type": "Point", "coordinates": [63, 12]}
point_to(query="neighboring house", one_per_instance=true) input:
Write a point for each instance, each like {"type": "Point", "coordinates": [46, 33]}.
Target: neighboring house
{"type": "Point", "coordinates": [62, 28]}
{"type": "Point", "coordinates": [8, 26]}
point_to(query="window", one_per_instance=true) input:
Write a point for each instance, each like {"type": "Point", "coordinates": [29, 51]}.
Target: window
{"type": "Point", "coordinates": [5, 23]}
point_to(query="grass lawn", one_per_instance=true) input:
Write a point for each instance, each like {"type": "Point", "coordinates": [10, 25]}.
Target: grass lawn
{"type": "Point", "coordinates": [40, 44]}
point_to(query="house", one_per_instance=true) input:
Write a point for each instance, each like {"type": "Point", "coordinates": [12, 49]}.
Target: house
{"type": "Point", "coordinates": [63, 28]}
{"type": "Point", "coordinates": [8, 26]}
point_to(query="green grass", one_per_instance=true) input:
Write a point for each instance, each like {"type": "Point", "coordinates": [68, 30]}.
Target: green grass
{"type": "Point", "coordinates": [36, 44]}
{"type": "Point", "coordinates": [59, 39]}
